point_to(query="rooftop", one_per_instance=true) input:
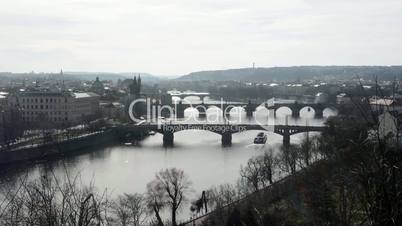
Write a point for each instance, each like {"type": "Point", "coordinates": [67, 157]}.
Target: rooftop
{"type": "Point", "coordinates": [85, 95]}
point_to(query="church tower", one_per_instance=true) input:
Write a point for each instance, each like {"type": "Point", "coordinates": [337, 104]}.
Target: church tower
{"type": "Point", "coordinates": [133, 86]}
{"type": "Point", "coordinates": [139, 85]}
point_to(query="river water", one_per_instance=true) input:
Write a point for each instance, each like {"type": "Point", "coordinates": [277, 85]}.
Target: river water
{"type": "Point", "coordinates": [127, 169]}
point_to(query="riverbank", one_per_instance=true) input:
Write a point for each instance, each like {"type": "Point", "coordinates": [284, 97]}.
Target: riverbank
{"type": "Point", "coordinates": [61, 148]}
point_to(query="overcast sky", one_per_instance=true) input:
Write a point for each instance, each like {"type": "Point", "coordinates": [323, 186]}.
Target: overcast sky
{"type": "Point", "coordinates": [176, 37]}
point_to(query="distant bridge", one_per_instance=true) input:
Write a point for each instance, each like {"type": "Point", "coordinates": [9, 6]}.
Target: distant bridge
{"type": "Point", "coordinates": [296, 107]}
{"type": "Point", "coordinates": [225, 130]}
{"type": "Point", "coordinates": [250, 107]}
{"type": "Point", "coordinates": [182, 95]}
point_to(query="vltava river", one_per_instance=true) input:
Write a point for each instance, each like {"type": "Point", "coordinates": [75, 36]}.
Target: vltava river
{"type": "Point", "coordinates": [127, 169]}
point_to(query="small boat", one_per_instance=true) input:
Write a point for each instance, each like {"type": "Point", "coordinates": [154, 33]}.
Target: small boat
{"type": "Point", "coordinates": [261, 138]}
{"type": "Point", "coordinates": [308, 109]}
{"type": "Point", "coordinates": [151, 133]}
{"type": "Point", "coordinates": [128, 144]}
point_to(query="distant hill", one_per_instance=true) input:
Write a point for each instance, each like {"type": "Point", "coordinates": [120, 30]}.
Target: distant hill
{"type": "Point", "coordinates": [297, 73]}
{"type": "Point", "coordinates": [145, 77]}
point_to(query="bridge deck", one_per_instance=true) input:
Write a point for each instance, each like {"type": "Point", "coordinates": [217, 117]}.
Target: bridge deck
{"type": "Point", "coordinates": [233, 128]}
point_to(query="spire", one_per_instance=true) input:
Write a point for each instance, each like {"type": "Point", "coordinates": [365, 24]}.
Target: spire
{"type": "Point", "coordinates": [139, 84]}
{"type": "Point", "coordinates": [133, 86]}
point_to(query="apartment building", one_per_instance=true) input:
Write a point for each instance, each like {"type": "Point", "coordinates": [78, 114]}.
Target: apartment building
{"type": "Point", "coordinates": [58, 107]}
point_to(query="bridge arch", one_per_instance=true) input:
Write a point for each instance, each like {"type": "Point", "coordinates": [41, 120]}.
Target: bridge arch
{"type": "Point", "coordinates": [309, 110]}
{"type": "Point", "coordinates": [238, 110]}
{"type": "Point", "coordinates": [330, 111]}
{"type": "Point", "coordinates": [214, 108]}
{"type": "Point", "coordinates": [190, 112]}
{"type": "Point", "coordinates": [284, 110]}
{"type": "Point", "coordinates": [196, 130]}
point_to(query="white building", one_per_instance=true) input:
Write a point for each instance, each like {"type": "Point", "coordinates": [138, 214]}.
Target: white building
{"type": "Point", "coordinates": [343, 98]}
{"type": "Point", "coordinates": [389, 127]}
{"type": "Point", "coordinates": [321, 98]}
{"type": "Point", "coordinates": [57, 107]}
{"type": "Point", "coordinates": [383, 104]}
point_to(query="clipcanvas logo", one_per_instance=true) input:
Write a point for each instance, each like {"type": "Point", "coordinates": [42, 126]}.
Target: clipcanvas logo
{"type": "Point", "coordinates": [226, 113]}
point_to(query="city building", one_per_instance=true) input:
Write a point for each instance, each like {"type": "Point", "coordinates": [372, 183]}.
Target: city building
{"type": "Point", "coordinates": [321, 98]}
{"type": "Point", "coordinates": [98, 87]}
{"type": "Point", "coordinates": [390, 127]}
{"type": "Point", "coordinates": [3, 98]}
{"type": "Point", "coordinates": [56, 107]}
{"type": "Point", "coordinates": [113, 110]}
{"type": "Point", "coordinates": [135, 87]}
{"type": "Point", "coordinates": [343, 98]}
{"type": "Point", "coordinates": [381, 105]}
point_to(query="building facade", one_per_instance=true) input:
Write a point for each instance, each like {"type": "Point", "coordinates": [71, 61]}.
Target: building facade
{"type": "Point", "coordinates": [56, 107]}
{"type": "Point", "coordinates": [389, 127]}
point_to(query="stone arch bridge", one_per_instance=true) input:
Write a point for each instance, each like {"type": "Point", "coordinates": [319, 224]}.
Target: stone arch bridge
{"type": "Point", "coordinates": [250, 107]}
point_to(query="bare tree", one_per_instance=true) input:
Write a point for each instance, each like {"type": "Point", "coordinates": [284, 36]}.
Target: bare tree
{"type": "Point", "coordinates": [130, 209]}
{"type": "Point", "coordinates": [259, 170]}
{"type": "Point", "coordinates": [47, 201]}
{"type": "Point", "coordinates": [251, 173]}
{"type": "Point", "coordinates": [155, 200]}
{"type": "Point", "coordinates": [222, 195]}
{"type": "Point", "coordinates": [288, 158]}
{"type": "Point", "coordinates": [267, 166]}
{"type": "Point", "coordinates": [306, 151]}
{"type": "Point", "coordinates": [170, 187]}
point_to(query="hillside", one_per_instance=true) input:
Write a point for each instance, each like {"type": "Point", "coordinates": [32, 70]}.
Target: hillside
{"type": "Point", "coordinates": [298, 73]}
{"type": "Point", "coordinates": [146, 77]}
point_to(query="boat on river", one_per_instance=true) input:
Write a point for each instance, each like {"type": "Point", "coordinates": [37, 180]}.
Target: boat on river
{"type": "Point", "coordinates": [261, 138]}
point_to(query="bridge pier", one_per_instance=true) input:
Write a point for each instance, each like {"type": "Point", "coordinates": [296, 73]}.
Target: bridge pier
{"type": "Point", "coordinates": [179, 110]}
{"type": "Point", "coordinates": [226, 139]}
{"type": "Point", "coordinates": [271, 112]}
{"type": "Point", "coordinates": [286, 139]}
{"type": "Point", "coordinates": [180, 113]}
{"type": "Point", "coordinates": [249, 109]}
{"type": "Point", "coordinates": [168, 139]}
{"type": "Point", "coordinates": [249, 113]}
{"type": "Point", "coordinates": [295, 112]}
{"type": "Point", "coordinates": [319, 113]}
